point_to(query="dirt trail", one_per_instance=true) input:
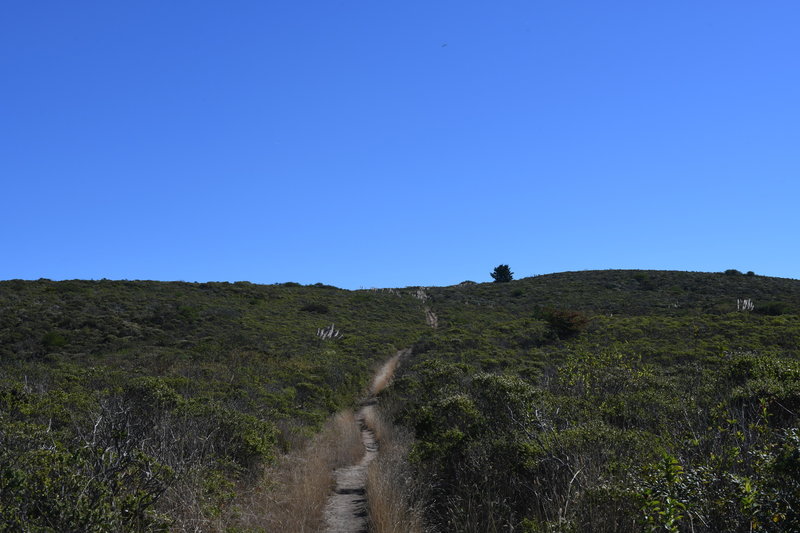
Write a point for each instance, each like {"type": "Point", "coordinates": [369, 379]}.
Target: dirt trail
{"type": "Point", "coordinates": [431, 319]}
{"type": "Point", "coordinates": [346, 511]}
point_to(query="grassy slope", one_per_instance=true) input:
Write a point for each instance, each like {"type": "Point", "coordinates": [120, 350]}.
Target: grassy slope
{"type": "Point", "coordinates": [613, 371]}
{"type": "Point", "coordinates": [208, 381]}
{"type": "Point", "coordinates": [204, 332]}
{"type": "Point", "coordinates": [609, 401]}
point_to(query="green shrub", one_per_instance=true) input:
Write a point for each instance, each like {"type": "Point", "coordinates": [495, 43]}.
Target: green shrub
{"type": "Point", "coordinates": [564, 323]}
{"type": "Point", "coordinates": [773, 309]}
{"type": "Point", "coordinates": [646, 283]}
{"type": "Point", "coordinates": [665, 499]}
{"type": "Point", "coordinates": [47, 487]}
{"type": "Point", "coordinates": [243, 439]}
{"type": "Point", "coordinates": [317, 308]}
{"type": "Point", "coordinates": [323, 286]}
{"type": "Point", "coordinates": [54, 339]}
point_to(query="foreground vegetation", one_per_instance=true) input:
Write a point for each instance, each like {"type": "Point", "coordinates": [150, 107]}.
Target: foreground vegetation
{"type": "Point", "coordinates": [608, 401]}
{"type": "Point", "coordinates": [147, 406]}
{"type": "Point", "coordinates": [586, 401]}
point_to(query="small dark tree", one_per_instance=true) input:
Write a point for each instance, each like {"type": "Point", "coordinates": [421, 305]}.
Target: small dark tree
{"type": "Point", "coordinates": [502, 274]}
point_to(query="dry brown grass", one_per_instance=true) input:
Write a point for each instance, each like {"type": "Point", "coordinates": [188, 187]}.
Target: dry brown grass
{"type": "Point", "coordinates": [374, 421]}
{"type": "Point", "coordinates": [292, 494]}
{"type": "Point", "coordinates": [391, 492]}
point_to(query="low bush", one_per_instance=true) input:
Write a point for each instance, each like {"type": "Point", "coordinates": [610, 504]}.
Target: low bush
{"type": "Point", "coordinates": [318, 308]}
{"type": "Point", "coordinates": [773, 309]}
{"type": "Point", "coordinates": [565, 323]}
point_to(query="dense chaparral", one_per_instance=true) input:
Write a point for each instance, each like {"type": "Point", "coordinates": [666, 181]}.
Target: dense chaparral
{"type": "Point", "coordinates": [579, 401]}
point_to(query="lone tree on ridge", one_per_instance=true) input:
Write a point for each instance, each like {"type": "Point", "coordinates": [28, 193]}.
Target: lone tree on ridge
{"type": "Point", "coordinates": [502, 274]}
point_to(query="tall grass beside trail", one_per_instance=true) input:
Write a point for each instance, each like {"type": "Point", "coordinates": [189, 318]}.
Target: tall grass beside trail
{"type": "Point", "coordinates": [292, 494]}
{"type": "Point", "coordinates": [395, 499]}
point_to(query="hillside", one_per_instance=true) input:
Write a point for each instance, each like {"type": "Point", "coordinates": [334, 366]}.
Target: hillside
{"type": "Point", "coordinates": [630, 292]}
{"type": "Point", "coordinates": [608, 401]}
{"type": "Point", "coordinates": [579, 401]}
{"type": "Point", "coordinates": [148, 398]}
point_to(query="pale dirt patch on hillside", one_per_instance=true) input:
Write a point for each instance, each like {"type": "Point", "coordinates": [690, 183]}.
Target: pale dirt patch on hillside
{"type": "Point", "coordinates": [431, 319]}
{"type": "Point", "coordinates": [386, 372]}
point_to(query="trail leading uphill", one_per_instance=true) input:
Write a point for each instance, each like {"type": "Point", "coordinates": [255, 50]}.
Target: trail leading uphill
{"type": "Point", "coordinates": [346, 510]}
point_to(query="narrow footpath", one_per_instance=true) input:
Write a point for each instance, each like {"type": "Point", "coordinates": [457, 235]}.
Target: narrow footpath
{"type": "Point", "coordinates": [346, 510]}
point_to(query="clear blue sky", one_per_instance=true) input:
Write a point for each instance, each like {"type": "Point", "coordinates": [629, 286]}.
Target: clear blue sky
{"type": "Point", "coordinates": [363, 143]}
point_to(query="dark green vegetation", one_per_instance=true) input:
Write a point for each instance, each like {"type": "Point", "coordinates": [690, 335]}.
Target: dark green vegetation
{"type": "Point", "coordinates": [585, 401]}
{"type": "Point", "coordinates": [124, 404]}
{"type": "Point", "coordinates": [609, 401]}
{"type": "Point", "coordinates": [502, 274]}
